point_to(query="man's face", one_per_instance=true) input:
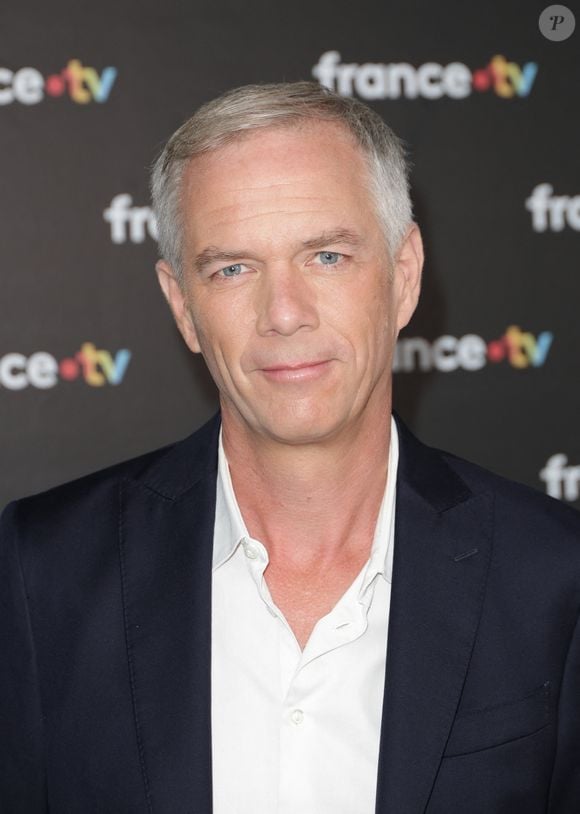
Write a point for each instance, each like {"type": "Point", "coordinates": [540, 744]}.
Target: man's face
{"type": "Point", "coordinates": [287, 289]}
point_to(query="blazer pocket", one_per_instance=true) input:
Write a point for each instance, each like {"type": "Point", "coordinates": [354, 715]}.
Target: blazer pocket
{"type": "Point", "coordinates": [491, 726]}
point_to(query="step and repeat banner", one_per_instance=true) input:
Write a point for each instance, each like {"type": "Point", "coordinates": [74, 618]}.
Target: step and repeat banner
{"type": "Point", "coordinates": [486, 97]}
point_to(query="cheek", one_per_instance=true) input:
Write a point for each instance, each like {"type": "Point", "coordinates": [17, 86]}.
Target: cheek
{"type": "Point", "coordinates": [222, 340]}
{"type": "Point", "coordinates": [383, 308]}
{"type": "Point", "coordinates": [370, 318]}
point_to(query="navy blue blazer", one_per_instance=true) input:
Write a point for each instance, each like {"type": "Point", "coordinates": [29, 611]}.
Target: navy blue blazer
{"type": "Point", "coordinates": [105, 600]}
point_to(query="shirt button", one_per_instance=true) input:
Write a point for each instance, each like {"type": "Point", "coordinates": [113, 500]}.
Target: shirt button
{"type": "Point", "coordinates": [250, 551]}
{"type": "Point", "coordinates": [297, 716]}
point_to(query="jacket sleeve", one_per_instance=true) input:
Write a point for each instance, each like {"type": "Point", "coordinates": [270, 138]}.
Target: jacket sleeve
{"type": "Point", "coordinates": [22, 769]}
{"type": "Point", "coordinates": [565, 787]}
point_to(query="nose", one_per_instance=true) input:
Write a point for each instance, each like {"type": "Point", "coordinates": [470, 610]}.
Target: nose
{"type": "Point", "coordinates": [286, 302]}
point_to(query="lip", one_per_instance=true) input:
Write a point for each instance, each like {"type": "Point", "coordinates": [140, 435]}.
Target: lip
{"type": "Point", "coordinates": [296, 372]}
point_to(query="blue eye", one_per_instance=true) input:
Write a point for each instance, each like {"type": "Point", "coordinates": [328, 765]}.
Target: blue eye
{"type": "Point", "coordinates": [232, 271]}
{"type": "Point", "coordinates": [329, 258]}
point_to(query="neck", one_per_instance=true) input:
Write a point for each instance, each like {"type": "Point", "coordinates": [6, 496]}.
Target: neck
{"type": "Point", "coordinates": [311, 503]}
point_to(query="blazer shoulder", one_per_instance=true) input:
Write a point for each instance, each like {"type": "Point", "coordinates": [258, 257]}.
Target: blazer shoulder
{"type": "Point", "coordinates": [522, 511]}
{"type": "Point", "coordinates": [479, 478]}
{"type": "Point", "coordinates": [445, 480]}
{"type": "Point", "coordinates": [93, 497]}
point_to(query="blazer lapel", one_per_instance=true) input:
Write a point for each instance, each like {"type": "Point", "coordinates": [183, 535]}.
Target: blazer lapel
{"type": "Point", "coordinates": [166, 539]}
{"type": "Point", "coordinates": [441, 559]}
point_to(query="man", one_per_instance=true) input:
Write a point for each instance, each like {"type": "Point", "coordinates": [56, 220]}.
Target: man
{"type": "Point", "coordinates": [300, 609]}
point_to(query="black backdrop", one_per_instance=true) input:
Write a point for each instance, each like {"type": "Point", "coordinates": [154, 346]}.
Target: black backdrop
{"type": "Point", "coordinates": [91, 367]}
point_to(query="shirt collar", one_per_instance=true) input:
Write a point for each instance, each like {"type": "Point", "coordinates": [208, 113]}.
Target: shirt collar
{"type": "Point", "coordinates": [230, 529]}
{"type": "Point", "coordinates": [381, 556]}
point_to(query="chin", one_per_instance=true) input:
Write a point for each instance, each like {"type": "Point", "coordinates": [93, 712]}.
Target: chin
{"type": "Point", "coordinates": [299, 428]}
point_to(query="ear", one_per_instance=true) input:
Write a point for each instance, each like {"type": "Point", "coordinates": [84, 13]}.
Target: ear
{"type": "Point", "coordinates": [407, 273]}
{"type": "Point", "coordinates": [175, 296]}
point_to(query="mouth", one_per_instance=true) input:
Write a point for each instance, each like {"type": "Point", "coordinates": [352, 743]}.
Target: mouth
{"type": "Point", "coordinates": [296, 371]}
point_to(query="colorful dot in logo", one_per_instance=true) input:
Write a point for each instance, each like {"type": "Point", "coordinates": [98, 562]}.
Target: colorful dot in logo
{"type": "Point", "coordinates": [69, 369]}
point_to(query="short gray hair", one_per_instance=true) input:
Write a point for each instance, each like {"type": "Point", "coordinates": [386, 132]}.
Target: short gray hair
{"type": "Point", "coordinates": [251, 107]}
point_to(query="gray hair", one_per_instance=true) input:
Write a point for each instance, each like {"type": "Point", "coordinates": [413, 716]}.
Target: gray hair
{"type": "Point", "coordinates": [252, 107]}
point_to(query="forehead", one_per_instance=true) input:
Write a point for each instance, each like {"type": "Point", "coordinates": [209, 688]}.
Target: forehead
{"type": "Point", "coordinates": [311, 171]}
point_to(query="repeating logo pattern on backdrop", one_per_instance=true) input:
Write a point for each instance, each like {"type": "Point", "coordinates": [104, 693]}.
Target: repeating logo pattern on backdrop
{"type": "Point", "coordinates": [130, 102]}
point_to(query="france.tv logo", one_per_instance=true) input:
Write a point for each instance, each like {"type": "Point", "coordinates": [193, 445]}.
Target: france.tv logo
{"type": "Point", "coordinates": [94, 366]}
{"type": "Point", "coordinates": [80, 83]}
{"type": "Point", "coordinates": [520, 349]}
{"type": "Point", "coordinates": [431, 80]}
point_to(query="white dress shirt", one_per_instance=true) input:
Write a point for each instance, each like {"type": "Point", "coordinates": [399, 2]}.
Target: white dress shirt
{"type": "Point", "coordinates": [296, 732]}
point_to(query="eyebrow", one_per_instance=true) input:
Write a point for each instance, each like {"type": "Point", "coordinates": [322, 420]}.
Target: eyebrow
{"type": "Point", "coordinates": [212, 254]}
{"type": "Point", "coordinates": [342, 236]}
